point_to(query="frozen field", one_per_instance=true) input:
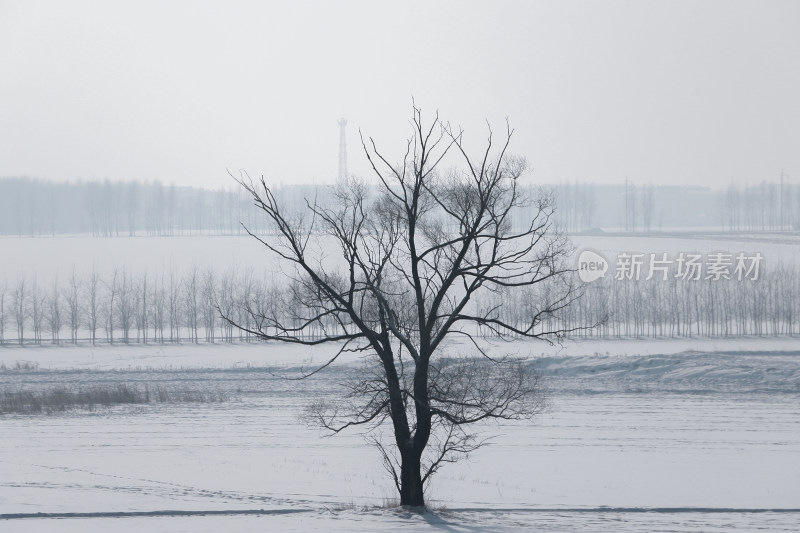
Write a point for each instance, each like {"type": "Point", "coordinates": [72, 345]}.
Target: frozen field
{"type": "Point", "coordinates": [657, 435]}
{"type": "Point", "coordinates": [682, 441]}
{"type": "Point", "coordinates": [28, 256]}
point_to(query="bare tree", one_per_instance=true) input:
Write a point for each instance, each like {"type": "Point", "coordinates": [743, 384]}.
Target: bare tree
{"type": "Point", "coordinates": [132, 205]}
{"type": "Point", "coordinates": [126, 304]}
{"type": "Point", "coordinates": [37, 311]}
{"type": "Point", "coordinates": [54, 317]}
{"type": "Point", "coordinates": [3, 291]}
{"type": "Point", "coordinates": [19, 303]}
{"type": "Point", "coordinates": [174, 306]}
{"type": "Point", "coordinates": [142, 311]}
{"type": "Point", "coordinates": [225, 300]}
{"type": "Point", "coordinates": [157, 316]}
{"type": "Point", "coordinates": [191, 305]}
{"type": "Point", "coordinates": [245, 298]}
{"type": "Point", "coordinates": [72, 298]}
{"type": "Point", "coordinates": [109, 305]}
{"type": "Point", "coordinates": [93, 308]}
{"type": "Point", "coordinates": [648, 206]}
{"type": "Point", "coordinates": [207, 309]}
{"type": "Point", "coordinates": [412, 257]}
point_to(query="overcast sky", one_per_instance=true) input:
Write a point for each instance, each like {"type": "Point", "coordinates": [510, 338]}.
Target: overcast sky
{"type": "Point", "coordinates": [659, 92]}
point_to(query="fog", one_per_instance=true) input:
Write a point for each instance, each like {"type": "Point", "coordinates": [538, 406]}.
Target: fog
{"type": "Point", "coordinates": [550, 248]}
{"type": "Point", "coordinates": [700, 93]}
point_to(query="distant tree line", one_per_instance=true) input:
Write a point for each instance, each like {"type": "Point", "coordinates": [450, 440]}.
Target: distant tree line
{"type": "Point", "coordinates": [172, 307]}
{"type": "Point", "coordinates": [767, 206]}
{"type": "Point", "coordinates": [30, 207]}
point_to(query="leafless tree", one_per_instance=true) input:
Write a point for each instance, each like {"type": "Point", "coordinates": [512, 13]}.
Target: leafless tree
{"type": "Point", "coordinates": [244, 297]}
{"type": "Point", "coordinates": [110, 305]}
{"type": "Point", "coordinates": [3, 292]}
{"type": "Point", "coordinates": [191, 305]}
{"type": "Point", "coordinates": [19, 303]}
{"type": "Point", "coordinates": [142, 310]}
{"type": "Point", "coordinates": [37, 311]}
{"type": "Point", "coordinates": [225, 300]}
{"type": "Point", "coordinates": [72, 298]}
{"type": "Point", "coordinates": [157, 303]}
{"type": "Point", "coordinates": [207, 309]}
{"type": "Point", "coordinates": [126, 304]}
{"type": "Point", "coordinates": [411, 258]}
{"type": "Point", "coordinates": [93, 308]}
{"type": "Point", "coordinates": [174, 306]}
{"type": "Point", "coordinates": [54, 317]}
{"type": "Point", "coordinates": [132, 205]}
{"type": "Point", "coordinates": [648, 207]}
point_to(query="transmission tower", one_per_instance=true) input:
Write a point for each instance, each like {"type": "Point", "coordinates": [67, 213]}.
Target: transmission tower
{"type": "Point", "coordinates": [342, 180]}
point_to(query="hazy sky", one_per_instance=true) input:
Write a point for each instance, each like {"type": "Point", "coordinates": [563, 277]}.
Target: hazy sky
{"type": "Point", "coordinates": [661, 92]}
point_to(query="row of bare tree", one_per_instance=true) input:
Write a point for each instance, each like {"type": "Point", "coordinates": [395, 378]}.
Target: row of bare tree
{"type": "Point", "coordinates": [121, 307]}
{"type": "Point", "coordinates": [170, 307]}
{"type": "Point", "coordinates": [767, 206]}
{"type": "Point", "coordinates": [31, 207]}
{"type": "Point", "coordinates": [674, 307]}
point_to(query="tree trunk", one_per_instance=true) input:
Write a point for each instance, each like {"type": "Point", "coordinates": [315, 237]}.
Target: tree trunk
{"type": "Point", "coordinates": [411, 492]}
{"type": "Point", "coordinates": [411, 489]}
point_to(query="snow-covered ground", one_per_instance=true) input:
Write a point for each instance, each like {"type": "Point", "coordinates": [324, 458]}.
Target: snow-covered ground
{"type": "Point", "coordinates": [222, 355]}
{"type": "Point", "coordinates": [48, 257]}
{"type": "Point", "coordinates": [659, 440]}
{"type": "Point", "coordinates": [648, 435]}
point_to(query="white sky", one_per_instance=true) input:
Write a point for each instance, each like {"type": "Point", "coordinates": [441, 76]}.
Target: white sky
{"type": "Point", "coordinates": [661, 92]}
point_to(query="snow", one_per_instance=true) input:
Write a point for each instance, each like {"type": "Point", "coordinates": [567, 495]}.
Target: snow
{"type": "Point", "coordinates": [678, 441]}
{"type": "Point", "coordinates": [223, 355]}
{"type": "Point", "coordinates": [641, 435]}
{"type": "Point", "coordinates": [50, 257]}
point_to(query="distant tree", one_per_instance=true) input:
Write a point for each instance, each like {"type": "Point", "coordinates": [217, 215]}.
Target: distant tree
{"type": "Point", "coordinates": [54, 317]}
{"type": "Point", "coordinates": [412, 260]}
{"type": "Point", "coordinates": [32, 210]}
{"type": "Point", "coordinates": [91, 207]}
{"type": "Point", "coordinates": [156, 309]}
{"type": "Point", "coordinates": [93, 309]}
{"type": "Point", "coordinates": [174, 306]}
{"type": "Point", "coordinates": [225, 300]}
{"type": "Point", "coordinates": [3, 317]}
{"type": "Point", "coordinates": [110, 305]}
{"type": "Point", "coordinates": [141, 309]}
{"type": "Point", "coordinates": [171, 207]}
{"type": "Point", "coordinates": [732, 208]}
{"type": "Point", "coordinates": [107, 205]}
{"type": "Point", "coordinates": [245, 297]}
{"type": "Point", "coordinates": [132, 205]}
{"type": "Point", "coordinates": [190, 303]}
{"type": "Point", "coordinates": [208, 311]}
{"type": "Point", "coordinates": [126, 304]}
{"type": "Point", "coordinates": [648, 206]}
{"type": "Point", "coordinates": [72, 297]}
{"type": "Point", "coordinates": [52, 209]}
{"type": "Point", "coordinates": [20, 303]}
{"type": "Point", "coordinates": [630, 206]}
{"type": "Point", "coordinates": [588, 206]}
